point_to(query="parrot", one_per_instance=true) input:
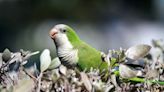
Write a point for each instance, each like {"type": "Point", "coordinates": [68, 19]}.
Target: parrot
{"type": "Point", "coordinates": [73, 52]}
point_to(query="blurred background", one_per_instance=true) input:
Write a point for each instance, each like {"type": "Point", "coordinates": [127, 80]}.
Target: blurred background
{"type": "Point", "coordinates": [104, 24]}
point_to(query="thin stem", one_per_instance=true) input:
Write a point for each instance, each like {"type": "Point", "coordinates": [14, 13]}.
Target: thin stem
{"type": "Point", "coordinates": [31, 76]}
{"type": "Point", "coordinates": [39, 82]}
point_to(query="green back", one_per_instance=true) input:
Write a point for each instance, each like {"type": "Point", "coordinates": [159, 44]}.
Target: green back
{"type": "Point", "coordinates": [88, 56]}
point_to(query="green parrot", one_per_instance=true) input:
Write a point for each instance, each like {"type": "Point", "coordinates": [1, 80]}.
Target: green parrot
{"type": "Point", "coordinates": [73, 52]}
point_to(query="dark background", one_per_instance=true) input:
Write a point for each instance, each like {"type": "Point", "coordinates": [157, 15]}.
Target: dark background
{"type": "Point", "coordinates": [104, 24]}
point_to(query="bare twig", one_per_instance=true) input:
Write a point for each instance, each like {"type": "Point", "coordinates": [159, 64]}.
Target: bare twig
{"type": "Point", "coordinates": [39, 82]}
{"type": "Point", "coordinates": [30, 75]}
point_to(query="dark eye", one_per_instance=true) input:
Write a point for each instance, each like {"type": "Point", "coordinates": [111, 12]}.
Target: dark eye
{"type": "Point", "coordinates": [63, 30]}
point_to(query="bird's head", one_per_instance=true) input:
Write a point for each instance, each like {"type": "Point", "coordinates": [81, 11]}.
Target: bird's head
{"type": "Point", "coordinates": [62, 33]}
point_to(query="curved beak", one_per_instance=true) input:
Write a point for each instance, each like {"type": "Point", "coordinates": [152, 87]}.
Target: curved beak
{"type": "Point", "coordinates": [53, 32]}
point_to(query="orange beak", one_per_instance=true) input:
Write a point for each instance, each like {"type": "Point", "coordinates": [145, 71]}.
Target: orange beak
{"type": "Point", "coordinates": [53, 32]}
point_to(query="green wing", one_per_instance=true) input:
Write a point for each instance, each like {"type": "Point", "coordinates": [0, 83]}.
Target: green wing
{"type": "Point", "coordinates": [89, 57]}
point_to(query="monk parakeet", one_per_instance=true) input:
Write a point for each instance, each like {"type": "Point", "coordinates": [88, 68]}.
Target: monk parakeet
{"type": "Point", "coordinates": [73, 52]}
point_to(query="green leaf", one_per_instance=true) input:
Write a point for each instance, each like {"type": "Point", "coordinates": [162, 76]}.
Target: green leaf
{"type": "Point", "coordinates": [45, 60]}
{"type": "Point", "coordinates": [54, 63]}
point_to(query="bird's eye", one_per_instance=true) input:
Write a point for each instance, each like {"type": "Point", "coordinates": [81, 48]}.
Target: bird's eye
{"type": "Point", "coordinates": [63, 30]}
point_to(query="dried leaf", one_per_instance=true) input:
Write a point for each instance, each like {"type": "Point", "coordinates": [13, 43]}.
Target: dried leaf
{"type": "Point", "coordinates": [114, 81]}
{"type": "Point", "coordinates": [109, 88]}
{"type": "Point", "coordinates": [63, 69]}
{"type": "Point", "coordinates": [86, 81]}
{"type": "Point", "coordinates": [127, 72]}
{"type": "Point", "coordinates": [152, 74]}
{"type": "Point", "coordinates": [138, 51]}
{"type": "Point", "coordinates": [27, 54]}
{"type": "Point", "coordinates": [158, 43]}
{"type": "Point", "coordinates": [157, 55]}
{"type": "Point", "coordinates": [98, 85]}
{"type": "Point", "coordinates": [6, 55]}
